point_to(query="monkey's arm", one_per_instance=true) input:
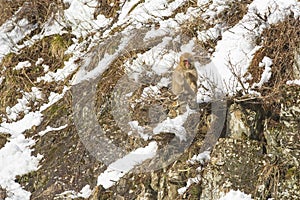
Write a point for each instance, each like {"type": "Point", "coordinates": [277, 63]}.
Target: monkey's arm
{"type": "Point", "coordinates": [191, 78]}
{"type": "Point", "coordinates": [177, 81]}
{"type": "Point", "coordinates": [193, 72]}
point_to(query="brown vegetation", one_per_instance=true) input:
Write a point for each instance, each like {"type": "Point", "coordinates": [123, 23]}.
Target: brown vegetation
{"type": "Point", "coordinates": [36, 11]}
{"type": "Point", "coordinates": [234, 13]}
{"type": "Point", "coordinates": [279, 42]}
{"type": "Point", "coordinates": [51, 49]}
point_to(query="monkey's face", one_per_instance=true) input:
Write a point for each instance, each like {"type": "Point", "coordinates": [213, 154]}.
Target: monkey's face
{"type": "Point", "coordinates": [187, 64]}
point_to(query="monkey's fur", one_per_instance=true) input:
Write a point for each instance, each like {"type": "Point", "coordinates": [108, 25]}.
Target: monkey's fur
{"type": "Point", "coordinates": [184, 78]}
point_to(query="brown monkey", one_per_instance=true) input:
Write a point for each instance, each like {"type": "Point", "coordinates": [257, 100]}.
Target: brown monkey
{"type": "Point", "coordinates": [184, 78]}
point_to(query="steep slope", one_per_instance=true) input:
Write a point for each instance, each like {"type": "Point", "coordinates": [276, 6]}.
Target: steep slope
{"type": "Point", "coordinates": [87, 113]}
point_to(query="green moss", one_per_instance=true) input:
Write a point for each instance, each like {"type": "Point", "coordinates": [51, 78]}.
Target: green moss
{"type": "Point", "coordinates": [56, 110]}
{"type": "Point", "coordinates": [59, 45]}
{"type": "Point", "coordinates": [291, 172]}
{"type": "Point", "coordinates": [7, 60]}
{"type": "Point", "coordinates": [194, 191]}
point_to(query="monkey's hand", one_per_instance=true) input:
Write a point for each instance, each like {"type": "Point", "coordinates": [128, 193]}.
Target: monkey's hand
{"type": "Point", "coordinates": [191, 80]}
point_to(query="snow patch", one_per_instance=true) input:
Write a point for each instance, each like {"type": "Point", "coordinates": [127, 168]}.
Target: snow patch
{"type": "Point", "coordinates": [1, 80]}
{"type": "Point", "coordinates": [85, 193]}
{"type": "Point", "coordinates": [210, 34]}
{"type": "Point", "coordinates": [266, 75]}
{"type": "Point", "coordinates": [134, 125]}
{"type": "Point", "coordinates": [69, 67]}
{"type": "Point", "coordinates": [16, 156]}
{"type": "Point", "coordinates": [293, 82]}
{"type": "Point", "coordinates": [49, 128]}
{"type": "Point", "coordinates": [80, 15]}
{"type": "Point", "coordinates": [236, 195]}
{"type": "Point", "coordinates": [119, 168]}
{"type": "Point", "coordinates": [174, 125]}
{"type": "Point", "coordinates": [237, 47]}
{"type": "Point", "coordinates": [22, 105]}
{"type": "Point", "coordinates": [11, 32]}
{"type": "Point", "coordinates": [200, 158]}
{"type": "Point", "coordinates": [190, 181]}
{"type": "Point", "coordinates": [39, 61]}
{"type": "Point", "coordinates": [22, 65]}
{"type": "Point", "coordinates": [53, 98]}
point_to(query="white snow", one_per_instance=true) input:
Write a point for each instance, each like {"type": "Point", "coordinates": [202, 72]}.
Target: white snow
{"type": "Point", "coordinates": [174, 125]}
{"type": "Point", "coordinates": [151, 91]}
{"type": "Point", "coordinates": [160, 60]}
{"type": "Point", "coordinates": [49, 128]}
{"type": "Point", "coordinates": [80, 16]}
{"type": "Point", "coordinates": [149, 10]}
{"type": "Point", "coordinates": [190, 181]}
{"type": "Point", "coordinates": [134, 125]}
{"type": "Point", "coordinates": [119, 168]}
{"type": "Point", "coordinates": [153, 33]}
{"type": "Point", "coordinates": [67, 70]}
{"type": "Point", "coordinates": [54, 25]}
{"type": "Point", "coordinates": [213, 8]}
{"type": "Point", "coordinates": [210, 34]}
{"type": "Point", "coordinates": [278, 9]}
{"type": "Point", "coordinates": [237, 47]}
{"type": "Point", "coordinates": [1, 80]}
{"type": "Point", "coordinates": [16, 159]}
{"type": "Point", "coordinates": [85, 193]}
{"type": "Point", "coordinates": [235, 50]}
{"type": "Point", "coordinates": [15, 156]}
{"type": "Point", "coordinates": [46, 69]}
{"type": "Point", "coordinates": [102, 65]}
{"type": "Point", "coordinates": [53, 98]}
{"type": "Point", "coordinates": [11, 32]}
{"type": "Point", "coordinates": [39, 61]}
{"type": "Point", "coordinates": [266, 75]}
{"type": "Point", "coordinates": [188, 47]}
{"type": "Point", "coordinates": [236, 195]}
{"type": "Point", "coordinates": [22, 105]}
{"type": "Point", "coordinates": [22, 65]}
{"type": "Point", "coordinates": [293, 82]}
{"type": "Point", "coordinates": [200, 158]}
{"type": "Point", "coordinates": [18, 127]}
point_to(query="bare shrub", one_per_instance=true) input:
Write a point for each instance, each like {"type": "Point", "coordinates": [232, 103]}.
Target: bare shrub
{"type": "Point", "coordinates": [108, 8]}
{"type": "Point", "coordinates": [8, 8]}
{"type": "Point", "coordinates": [234, 12]}
{"type": "Point", "coordinates": [279, 43]}
{"type": "Point", "coordinates": [36, 11]}
{"type": "Point", "coordinates": [25, 79]}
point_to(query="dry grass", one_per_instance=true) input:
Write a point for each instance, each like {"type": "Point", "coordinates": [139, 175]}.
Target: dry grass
{"type": "Point", "coordinates": [108, 8]}
{"type": "Point", "coordinates": [234, 13]}
{"type": "Point", "coordinates": [191, 27]}
{"type": "Point", "coordinates": [104, 94]}
{"type": "Point", "coordinates": [16, 80]}
{"type": "Point", "coordinates": [36, 11]}
{"type": "Point", "coordinates": [269, 177]}
{"type": "Point", "coordinates": [8, 8]}
{"type": "Point", "coordinates": [229, 17]}
{"type": "Point", "coordinates": [184, 7]}
{"type": "Point", "coordinates": [279, 43]}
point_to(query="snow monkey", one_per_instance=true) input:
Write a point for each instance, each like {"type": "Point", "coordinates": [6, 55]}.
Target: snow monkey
{"type": "Point", "coordinates": [184, 78]}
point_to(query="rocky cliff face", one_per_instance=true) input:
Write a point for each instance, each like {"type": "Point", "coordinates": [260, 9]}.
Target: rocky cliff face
{"type": "Point", "coordinates": [86, 110]}
{"type": "Point", "coordinates": [265, 168]}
